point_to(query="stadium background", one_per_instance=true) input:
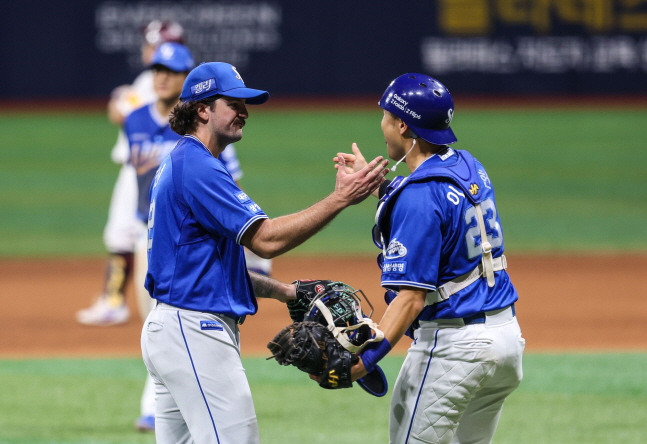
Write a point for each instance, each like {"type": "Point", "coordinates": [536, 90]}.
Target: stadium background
{"type": "Point", "coordinates": [550, 95]}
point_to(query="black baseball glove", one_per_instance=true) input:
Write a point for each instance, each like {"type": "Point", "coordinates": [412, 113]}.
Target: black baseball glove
{"type": "Point", "coordinates": [307, 290]}
{"type": "Point", "coordinates": [311, 348]}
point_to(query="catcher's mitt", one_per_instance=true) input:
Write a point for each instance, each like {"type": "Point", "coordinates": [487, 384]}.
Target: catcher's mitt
{"type": "Point", "coordinates": [333, 329]}
{"type": "Point", "coordinates": [311, 348]}
{"type": "Point", "coordinates": [339, 307]}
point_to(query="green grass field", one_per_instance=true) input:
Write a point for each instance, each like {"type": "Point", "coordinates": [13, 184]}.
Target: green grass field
{"type": "Point", "coordinates": [564, 399]}
{"type": "Point", "coordinates": [565, 179]}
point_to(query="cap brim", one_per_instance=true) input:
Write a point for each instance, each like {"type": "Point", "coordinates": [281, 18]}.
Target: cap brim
{"type": "Point", "coordinates": [374, 383]}
{"type": "Point", "coordinates": [251, 96]}
{"type": "Point", "coordinates": [437, 137]}
{"type": "Point", "coordinates": [171, 66]}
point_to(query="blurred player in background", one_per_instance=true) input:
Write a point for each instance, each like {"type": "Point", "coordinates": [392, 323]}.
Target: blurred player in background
{"type": "Point", "coordinates": [121, 230]}
{"type": "Point", "coordinates": [122, 227]}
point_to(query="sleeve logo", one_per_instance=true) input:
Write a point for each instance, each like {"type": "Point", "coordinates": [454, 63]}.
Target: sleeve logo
{"type": "Point", "coordinates": [395, 250]}
{"type": "Point", "coordinates": [394, 267]}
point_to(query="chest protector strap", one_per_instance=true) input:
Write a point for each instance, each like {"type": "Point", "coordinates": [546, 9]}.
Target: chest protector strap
{"type": "Point", "coordinates": [486, 260]}
{"type": "Point", "coordinates": [443, 292]}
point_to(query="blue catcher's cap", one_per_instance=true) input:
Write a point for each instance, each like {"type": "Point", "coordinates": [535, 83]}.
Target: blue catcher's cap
{"type": "Point", "coordinates": [217, 78]}
{"type": "Point", "coordinates": [424, 104]}
{"type": "Point", "coordinates": [174, 56]}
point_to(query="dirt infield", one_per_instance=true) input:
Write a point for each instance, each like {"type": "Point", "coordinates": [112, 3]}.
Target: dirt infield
{"type": "Point", "coordinates": [567, 303]}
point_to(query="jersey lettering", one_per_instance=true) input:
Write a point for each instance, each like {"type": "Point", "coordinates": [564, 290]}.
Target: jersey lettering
{"type": "Point", "coordinates": [473, 235]}
{"type": "Point", "coordinates": [452, 195]}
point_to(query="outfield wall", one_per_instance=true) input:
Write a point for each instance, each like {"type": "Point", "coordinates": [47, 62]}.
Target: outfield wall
{"type": "Point", "coordinates": [84, 48]}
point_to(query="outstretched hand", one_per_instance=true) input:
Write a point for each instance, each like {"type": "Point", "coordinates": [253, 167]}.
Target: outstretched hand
{"type": "Point", "coordinates": [354, 184]}
{"type": "Point", "coordinates": [354, 162]}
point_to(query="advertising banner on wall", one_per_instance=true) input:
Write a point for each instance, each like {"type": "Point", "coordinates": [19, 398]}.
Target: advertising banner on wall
{"type": "Point", "coordinates": [337, 47]}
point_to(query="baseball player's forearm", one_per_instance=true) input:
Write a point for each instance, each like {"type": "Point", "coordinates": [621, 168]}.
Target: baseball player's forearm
{"type": "Point", "coordinates": [397, 318]}
{"type": "Point", "coordinates": [265, 287]}
{"type": "Point", "coordinates": [269, 238]}
{"type": "Point", "coordinates": [399, 315]}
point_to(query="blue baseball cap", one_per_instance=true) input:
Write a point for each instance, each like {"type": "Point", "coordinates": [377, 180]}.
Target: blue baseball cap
{"type": "Point", "coordinates": [174, 56]}
{"type": "Point", "coordinates": [218, 78]}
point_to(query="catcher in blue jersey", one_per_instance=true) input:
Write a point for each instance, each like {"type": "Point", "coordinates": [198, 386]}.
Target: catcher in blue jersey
{"type": "Point", "coordinates": [443, 266]}
{"type": "Point", "coordinates": [198, 223]}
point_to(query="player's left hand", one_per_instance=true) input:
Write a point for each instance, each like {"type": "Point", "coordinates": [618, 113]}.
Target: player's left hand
{"type": "Point", "coordinates": [353, 188]}
{"type": "Point", "coordinates": [354, 162]}
{"type": "Point", "coordinates": [307, 290]}
{"type": "Point", "coordinates": [358, 370]}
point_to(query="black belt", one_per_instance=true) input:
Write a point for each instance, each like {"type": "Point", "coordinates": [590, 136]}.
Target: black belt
{"type": "Point", "coordinates": [479, 318]}
{"type": "Point", "coordinates": [237, 319]}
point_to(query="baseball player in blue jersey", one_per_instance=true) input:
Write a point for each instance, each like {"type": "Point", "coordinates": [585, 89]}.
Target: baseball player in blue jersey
{"type": "Point", "coordinates": [445, 273]}
{"type": "Point", "coordinates": [150, 138]}
{"type": "Point", "coordinates": [122, 227]}
{"type": "Point", "coordinates": [198, 223]}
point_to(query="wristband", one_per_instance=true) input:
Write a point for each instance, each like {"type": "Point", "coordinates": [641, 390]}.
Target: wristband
{"type": "Point", "coordinates": [373, 353]}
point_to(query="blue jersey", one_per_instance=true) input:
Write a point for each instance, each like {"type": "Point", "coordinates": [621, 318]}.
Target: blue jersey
{"type": "Point", "coordinates": [151, 138]}
{"type": "Point", "coordinates": [428, 231]}
{"type": "Point", "coordinates": [197, 218]}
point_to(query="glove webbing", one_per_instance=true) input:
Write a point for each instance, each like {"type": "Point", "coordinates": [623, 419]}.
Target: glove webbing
{"type": "Point", "coordinates": [340, 332]}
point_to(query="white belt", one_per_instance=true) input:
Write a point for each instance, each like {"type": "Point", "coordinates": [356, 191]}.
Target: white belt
{"type": "Point", "coordinates": [443, 292]}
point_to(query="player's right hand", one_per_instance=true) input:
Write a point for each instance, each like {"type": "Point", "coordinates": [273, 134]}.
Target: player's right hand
{"type": "Point", "coordinates": [354, 162]}
{"type": "Point", "coordinates": [357, 186]}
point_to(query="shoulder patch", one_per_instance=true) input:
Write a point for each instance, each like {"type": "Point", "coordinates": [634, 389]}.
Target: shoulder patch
{"type": "Point", "coordinates": [395, 250]}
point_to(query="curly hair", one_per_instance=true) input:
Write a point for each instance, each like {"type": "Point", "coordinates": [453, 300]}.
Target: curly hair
{"type": "Point", "coordinates": [184, 117]}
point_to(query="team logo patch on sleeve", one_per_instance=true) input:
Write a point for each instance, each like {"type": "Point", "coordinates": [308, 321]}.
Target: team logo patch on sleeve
{"type": "Point", "coordinates": [210, 325]}
{"type": "Point", "coordinates": [395, 250]}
